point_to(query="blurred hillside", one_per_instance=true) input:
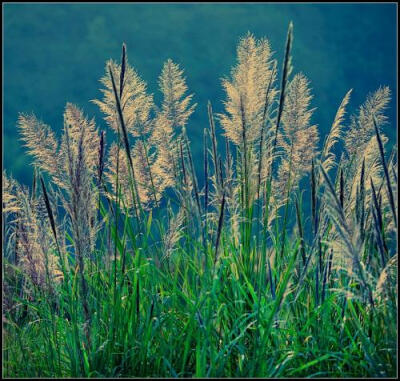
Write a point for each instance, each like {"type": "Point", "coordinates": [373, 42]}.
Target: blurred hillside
{"type": "Point", "coordinates": [56, 53]}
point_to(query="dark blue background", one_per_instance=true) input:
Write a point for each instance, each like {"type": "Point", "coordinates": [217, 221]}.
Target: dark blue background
{"type": "Point", "coordinates": [55, 53]}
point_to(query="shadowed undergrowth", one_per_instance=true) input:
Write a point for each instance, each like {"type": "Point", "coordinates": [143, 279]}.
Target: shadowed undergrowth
{"type": "Point", "coordinates": [119, 262]}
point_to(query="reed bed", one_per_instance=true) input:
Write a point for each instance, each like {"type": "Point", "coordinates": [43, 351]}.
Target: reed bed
{"type": "Point", "coordinates": [119, 262]}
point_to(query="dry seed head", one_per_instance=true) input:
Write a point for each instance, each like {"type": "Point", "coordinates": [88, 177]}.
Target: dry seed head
{"type": "Point", "coordinates": [176, 106]}
{"type": "Point", "coordinates": [136, 104]}
{"type": "Point", "coordinates": [362, 127]}
{"type": "Point", "coordinates": [79, 152]}
{"type": "Point", "coordinates": [246, 91]}
{"type": "Point", "coordinates": [328, 157]}
{"type": "Point", "coordinates": [361, 144]}
{"type": "Point", "coordinates": [297, 139]}
{"type": "Point", "coordinates": [163, 168]}
{"type": "Point", "coordinates": [10, 200]}
{"type": "Point", "coordinates": [40, 141]}
{"type": "Point", "coordinates": [35, 250]}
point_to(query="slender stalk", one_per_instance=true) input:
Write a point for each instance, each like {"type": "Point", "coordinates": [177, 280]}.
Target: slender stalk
{"type": "Point", "coordinates": [386, 172]}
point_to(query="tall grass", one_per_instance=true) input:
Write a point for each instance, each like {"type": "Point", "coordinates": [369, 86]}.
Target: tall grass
{"type": "Point", "coordinates": [123, 264]}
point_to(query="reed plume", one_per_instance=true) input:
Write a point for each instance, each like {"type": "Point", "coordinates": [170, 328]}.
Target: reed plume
{"type": "Point", "coordinates": [136, 104]}
{"type": "Point", "coordinates": [10, 199]}
{"type": "Point", "coordinates": [362, 128]}
{"type": "Point", "coordinates": [41, 143]}
{"type": "Point", "coordinates": [72, 166]}
{"type": "Point", "coordinates": [34, 251]}
{"type": "Point", "coordinates": [298, 139]}
{"type": "Point", "coordinates": [250, 92]}
{"type": "Point", "coordinates": [169, 123]}
{"type": "Point", "coordinates": [246, 91]}
{"type": "Point", "coordinates": [328, 158]}
{"type": "Point", "coordinates": [361, 145]}
{"type": "Point", "coordinates": [165, 165]}
{"type": "Point", "coordinates": [176, 105]}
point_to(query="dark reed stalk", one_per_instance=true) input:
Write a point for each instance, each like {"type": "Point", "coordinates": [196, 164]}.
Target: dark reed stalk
{"type": "Point", "coordinates": [385, 169]}
{"type": "Point", "coordinates": [299, 224]}
{"type": "Point", "coordinates": [135, 195]}
{"type": "Point", "coordinates": [185, 185]}
{"type": "Point", "coordinates": [121, 119]}
{"type": "Point", "coordinates": [122, 73]}
{"type": "Point", "coordinates": [263, 123]}
{"type": "Point", "coordinates": [193, 173]}
{"type": "Point", "coordinates": [313, 199]}
{"type": "Point", "coordinates": [285, 74]}
{"type": "Point", "coordinates": [330, 264]}
{"type": "Point", "coordinates": [214, 142]}
{"type": "Point", "coordinates": [220, 171]}
{"type": "Point", "coordinates": [34, 181]}
{"type": "Point", "coordinates": [380, 200]}
{"type": "Point", "coordinates": [378, 223]}
{"type": "Point", "coordinates": [220, 222]}
{"type": "Point", "coordinates": [49, 210]}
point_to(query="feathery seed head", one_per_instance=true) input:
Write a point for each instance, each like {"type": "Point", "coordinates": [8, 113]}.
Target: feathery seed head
{"type": "Point", "coordinates": [176, 106]}
{"type": "Point", "coordinates": [136, 105]}
{"type": "Point", "coordinates": [246, 91]}
{"type": "Point", "coordinates": [298, 138]}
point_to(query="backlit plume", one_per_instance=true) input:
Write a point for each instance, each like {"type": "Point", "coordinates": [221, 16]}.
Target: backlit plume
{"type": "Point", "coordinates": [246, 91]}
{"type": "Point", "coordinates": [136, 104]}
{"type": "Point", "coordinates": [298, 138]}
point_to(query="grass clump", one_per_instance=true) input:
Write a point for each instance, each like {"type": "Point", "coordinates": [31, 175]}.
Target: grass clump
{"type": "Point", "coordinates": [119, 262]}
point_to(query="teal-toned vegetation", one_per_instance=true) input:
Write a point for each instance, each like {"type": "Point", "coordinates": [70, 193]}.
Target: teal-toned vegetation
{"type": "Point", "coordinates": [119, 262]}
